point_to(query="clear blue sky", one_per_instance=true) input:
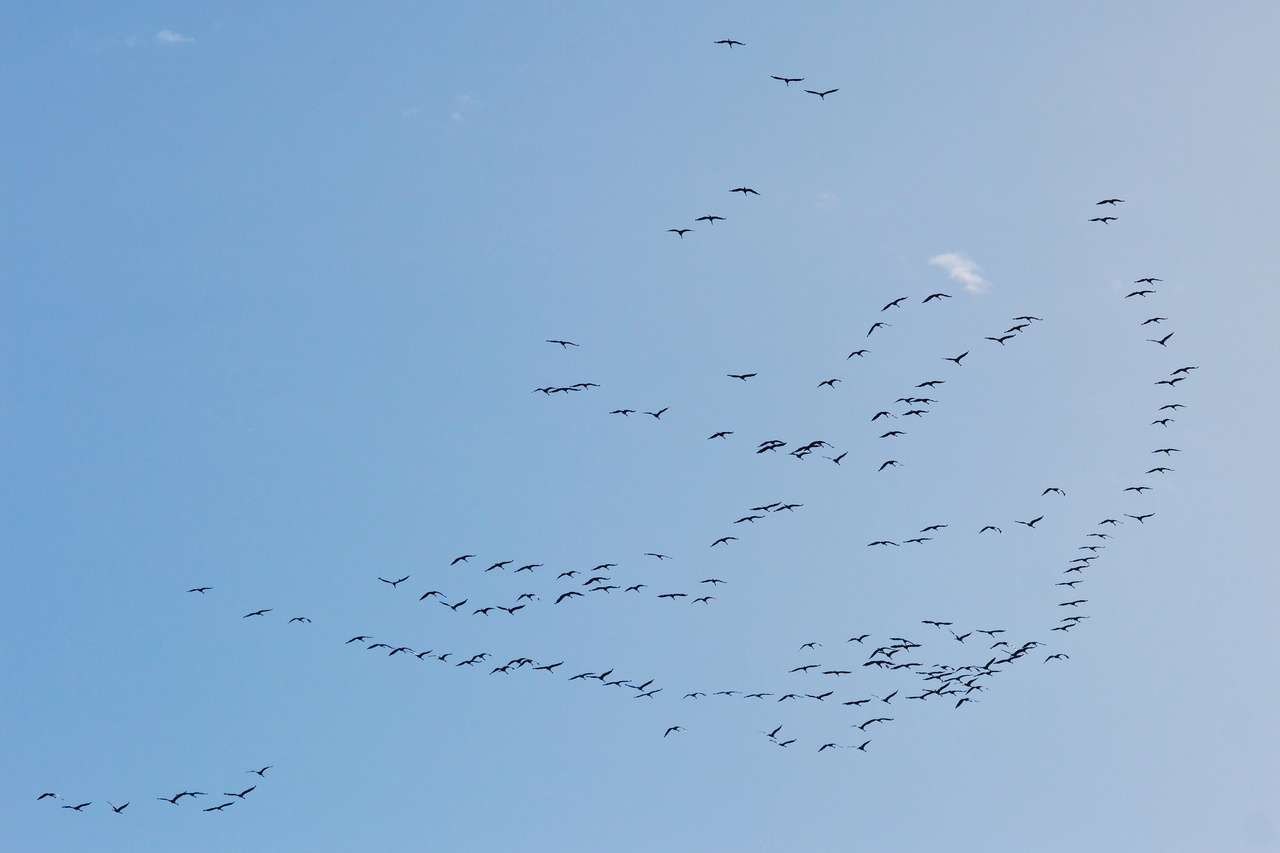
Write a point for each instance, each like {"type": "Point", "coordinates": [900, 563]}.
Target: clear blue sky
{"type": "Point", "coordinates": [278, 282]}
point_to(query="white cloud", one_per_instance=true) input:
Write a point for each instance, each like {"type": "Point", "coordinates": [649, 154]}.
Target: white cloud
{"type": "Point", "coordinates": [962, 268]}
{"type": "Point", "coordinates": [170, 37]}
{"type": "Point", "coordinates": [463, 105]}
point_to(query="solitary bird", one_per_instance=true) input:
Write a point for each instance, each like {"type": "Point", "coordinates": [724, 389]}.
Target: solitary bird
{"type": "Point", "coordinates": [743, 376]}
{"type": "Point", "coordinates": [563, 344]}
{"type": "Point", "coordinates": [858, 352]}
{"type": "Point", "coordinates": [731, 43]}
{"type": "Point", "coordinates": [201, 589]}
{"type": "Point", "coordinates": [672, 729]}
{"type": "Point", "coordinates": [744, 190]}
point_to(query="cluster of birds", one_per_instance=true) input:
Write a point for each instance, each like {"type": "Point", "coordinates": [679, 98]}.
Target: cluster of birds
{"type": "Point", "coordinates": [174, 800]}
{"type": "Point", "coordinates": [903, 665]}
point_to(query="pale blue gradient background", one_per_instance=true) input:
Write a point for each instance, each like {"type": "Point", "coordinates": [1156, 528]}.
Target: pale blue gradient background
{"type": "Point", "coordinates": [273, 302]}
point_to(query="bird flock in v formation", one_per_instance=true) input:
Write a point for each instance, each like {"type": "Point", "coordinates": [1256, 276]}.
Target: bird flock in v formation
{"type": "Point", "coordinates": [988, 650]}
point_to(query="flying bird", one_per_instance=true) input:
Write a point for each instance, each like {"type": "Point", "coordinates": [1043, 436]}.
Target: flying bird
{"type": "Point", "coordinates": [787, 80]}
{"type": "Point", "coordinates": [1164, 342]}
{"type": "Point", "coordinates": [731, 43]}
{"type": "Point", "coordinates": [822, 95]}
{"type": "Point", "coordinates": [957, 358]}
{"type": "Point", "coordinates": [563, 344]}
{"type": "Point", "coordinates": [743, 376]}
{"type": "Point", "coordinates": [257, 613]}
{"type": "Point", "coordinates": [933, 296]}
{"type": "Point", "coordinates": [658, 414]}
{"type": "Point", "coordinates": [744, 190]}
{"type": "Point", "coordinates": [709, 218]}
{"type": "Point", "coordinates": [1111, 201]}
{"type": "Point", "coordinates": [395, 583]}
{"type": "Point", "coordinates": [200, 589]}
{"type": "Point", "coordinates": [1103, 219]}
{"type": "Point", "coordinates": [680, 231]}
{"type": "Point", "coordinates": [894, 304]}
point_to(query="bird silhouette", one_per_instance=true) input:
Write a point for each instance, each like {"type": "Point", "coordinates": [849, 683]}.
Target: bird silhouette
{"type": "Point", "coordinates": [822, 95]}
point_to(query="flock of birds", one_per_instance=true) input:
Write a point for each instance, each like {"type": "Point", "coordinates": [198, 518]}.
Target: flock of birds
{"type": "Point", "coordinates": [174, 800]}
{"type": "Point", "coordinates": [906, 669]}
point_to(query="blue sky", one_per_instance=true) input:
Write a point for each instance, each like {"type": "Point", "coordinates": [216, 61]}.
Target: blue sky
{"type": "Point", "coordinates": [279, 286]}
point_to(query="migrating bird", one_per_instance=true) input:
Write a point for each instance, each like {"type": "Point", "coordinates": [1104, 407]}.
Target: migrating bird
{"type": "Point", "coordinates": [1162, 341]}
{"type": "Point", "coordinates": [933, 296]}
{"type": "Point", "coordinates": [257, 613]}
{"type": "Point", "coordinates": [658, 414]}
{"type": "Point", "coordinates": [721, 434]}
{"type": "Point", "coordinates": [894, 304]}
{"type": "Point", "coordinates": [822, 95]}
{"type": "Point", "coordinates": [81, 806]}
{"type": "Point", "coordinates": [461, 559]}
{"type": "Point", "coordinates": [117, 809]}
{"type": "Point", "coordinates": [1142, 293]}
{"type": "Point", "coordinates": [1031, 523]}
{"type": "Point", "coordinates": [680, 231]}
{"type": "Point", "coordinates": [723, 539]}
{"type": "Point", "coordinates": [744, 190]}
{"type": "Point", "coordinates": [1053, 489]}
{"type": "Point", "coordinates": [1155, 320]}
{"type": "Point", "coordinates": [1147, 280]}
{"type": "Point", "coordinates": [743, 376]}
{"type": "Point", "coordinates": [957, 358]}
{"type": "Point", "coordinates": [709, 218]}
{"type": "Point", "coordinates": [787, 80]}
{"type": "Point", "coordinates": [858, 352]}
{"type": "Point", "coordinates": [563, 344]}
{"type": "Point", "coordinates": [731, 43]}
{"type": "Point", "coordinates": [672, 729]}
{"type": "Point", "coordinates": [1111, 201]}
{"type": "Point", "coordinates": [1103, 219]}
{"type": "Point", "coordinates": [395, 584]}
{"type": "Point", "coordinates": [875, 326]}
{"type": "Point", "coordinates": [201, 589]}
{"type": "Point", "coordinates": [892, 462]}
{"type": "Point", "coordinates": [828, 382]}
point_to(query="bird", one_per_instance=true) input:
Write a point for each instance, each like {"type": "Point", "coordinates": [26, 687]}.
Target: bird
{"type": "Point", "coordinates": [1164, 342]}
{"type": "Point", "coordinates": [875, 326]}
{"type": "Point", "coordinates": [1058, 656]}
{"type": "Point", "coordinates": [626, 413]}
{"type": "Point", "coordinates": [672, 729]}
{"type": "Point", "coordinates": [659, 556]}
{"type": "Point", "coordinates": [1000, 340]}
{"type": "Point", "coordinates": [743, 376]}
{"type": "Point", "coordinates": [957, 358]}
{"type": "Point", "coordinates": [836, 459]}
{"type": "Point", "coordinates": [991, 527]}
{"type": "Point", "coordinates": [1111, 201]}
{"type": "Point", "coordinates": [1141, 519]}
{"type": "Point", "coordinates": [241, 795]}
{"type": "Point", "coordinates": [1053, 489]}
{"type": "Point", "coordinates": [1142, 293]}
{"type": "Point", "coordinates": [202, 590]}
{"type": "Point", "coordinates": [787, 80]}
{"type": "Point", "coordinates": [713, 581]}
{"type": "Point", "coordinates": [933, 296]}
{"type": "Point", "coordinates": [219, 808]}
{"type": "Point", "coordinates": [117, 809]}
{"type": "Point", "coordinates": [894, 304]}
{"type": "Point", "coordinates": [892, 462]}
{"type": "Point", "coordinates": [828, 382]}
{"type": "Point", "coordinates": [503, 565]}
{"type": "Point", "coordinates": [461, 559]}
{"type": "Point", "coordinates": [79, 807]}
{"type": "Point", "coordinates": [731, 43]}
{"type": "Point", "coordinates": [299, 619]}
{"type": "Point", "coordinates": [721, 434]}
{"type": "Point", "coordinates": [658, 414]}
{"type": "Point", "coordinates": [1103, 219]}
{"type": "Point", "coordinates": [822, 95]}
{"type": "Point", "coordinates": [569, 594]}
{"type": "Point", "coordinates": [395, 584]}
{"type": "Point", "coordinates": [723, 539]}
{"type": "Point", "coordinates": [709, 218]}
{"type": "Point", "coordinates": [1031, 523]}
{"type": "Point", "coordinates": [1138, 489]}
{"type": "Point", "coordinates": [893, 433]}
{"type": "Point", "coordinates": [744, 190]}
{"type": "Point", "coordinates": [563, 344]}
{"type": "Point", "coordinates": [257, 613]}
{"type": "Point", "coordinates": [1147, 280]}
{"type": "Point", "coordinates": [46, 794]}
{"type": "Point", "coordinates": [680, 231]}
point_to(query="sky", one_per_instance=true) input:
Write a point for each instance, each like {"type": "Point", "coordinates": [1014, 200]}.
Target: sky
{"type": "Point", "coordinates": [280, 282]}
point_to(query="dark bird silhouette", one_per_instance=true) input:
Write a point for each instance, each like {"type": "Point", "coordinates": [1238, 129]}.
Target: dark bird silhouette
{"type": "Point", "coordinates": [721, 434]}
{"type": "Point", "coordinates": [744, 190]}
{"type": "Point", "coordinates": [395, 583]}
{"type": "Point", "coordinates": [731, 43]}
{"type": "Point", "coordinates": [991, 527]}
{"type": "Point", "coordinates": [46, 794]}
{"type": "Point", "coordinates": [1147, 280]}
{"type": "Point", "coordinates": [219, 808]}
{"type": "Point", "coordinates": [261, 772]}
{"type": "Point", "coordinates": [933, 296]}
{"type": "Point", "coordinates": [1155, 320]}
{"type": "Point", "coordinates": [454, 607]}
{"type": "Point", "coordinates": [680, 231]}
{"type": "Point", "coordinates": [79, 807]}
{"type": "Point", "coordinates": [828, 382]}
{"type": "Point", "coordinates": [117, 809]}
{"type": "Point", "coordinates": [626, 413]}
{"type": "Point", "coordinates": [1164, 342]}
{"type": "Point", "coordinates": [659, 556]}
{"type": "Point", "coordinates": [563, 344]}
{"type": "Point", "coordinates": [503, 565]}
{"type": "Point", "coordinates": [787, 80]}
{"type": "Point", "coordinates": [743, 376]}
{"type": "Point", "coordinates": [892, 462]}
{"type": "Point", "coordinates": [1111, 201]}
{"type": "Point", "coordinates": [1103, 219]}
{"type": "Point", "coordinates": [569, 594]}
{"type": "Point", "coordinates": [710, 219]}
{"type": "Point", "coordinates": [836, 459]}
{"type": "Point", "coordinates": [1167, 450]}
{"type": "Point", "coordinates": [822, 95]}
{"type": "Point", "coordinates": [1053, 489]}
{"type": "Point", "coordinates": [957, 358]}
{"type": "Point", "coordinates": [1058, 656]}
{"type": "Point", "coordinates": [1138, 489]}
{"type": "Point", "coordinates": [672, 729]}
{"type": "Point", "coordinates": [1000, 340]}
{"type": "Point", "coordinates": [461, 559]}
{"type": "Point", "coordinates": [1141, 519]}
{"type": "Point", "coordinates": [257, 613]}
{"type": "Point", "coordinates": [658, 414]}
{"type": "Point", "coordinates": [674, 595]}
{"type": "Point", "coordinates": [201, 589]}
{"type": "Point", "coordinates": [241, 795]}
{"type": "Point", "coordinates": [1142, 293]}
{"type": "Point", "coordinates": [895, 303]}
{"type": "Point", "coordinates": [1031, 523]}
{"type": "Point", "coordinates": [875, 326]}
{"type": "Point", "coordinates": [892, 433]}
{"type": "Point", "coordinates": [299, 619]}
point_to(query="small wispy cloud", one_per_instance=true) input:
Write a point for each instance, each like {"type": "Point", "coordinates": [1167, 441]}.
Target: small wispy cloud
{"type": "Point", "coordinates": [463, 104]}
{"type": "Point", "coordinates": [170, 37]}
{"type": "Point", "coordinates": [962, 268]}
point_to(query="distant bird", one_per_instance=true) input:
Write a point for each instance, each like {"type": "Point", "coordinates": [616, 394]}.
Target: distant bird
{"type": "Point", "coordinates": [723, 539]}
{"type": "Point", "coordinates": [569, 594]}
{"type": "Point", "coordinates": [744, 190]}
{"type": "Point", "coordinates": [743, 376]}
{"type": "Point", "coordinates": [875, 326]}
{"type": "Point", "coordinates": [893, 433]}
{"type": "Point", "coordinates": [461, 559]}
{"type": "Point", "coordinates": [672, 729]}
{"type": "Point", "coordinates": [659, 556]}
{"type": "Point", "coordinates": [957, 358]}
{"type": "Point", "coordinates": [1031, 523]}
{"type": "Point", "coordinates": [894, 304]}
{"type": "Point", "coordinates": [892, 462]}
{"type": "Point", "coordinates": [731, 43]}
{"type": "Point", "coordinates": [822, 95]}
{"type": "Point", "coordinates": [117, 809]}
{"type": "Point", "coordinates": [1058, 656]}
{"type": "Point", "coordinates": [787, 80]}
{"type": "Point", "coordinates": [1138, 489]}
{"type": "Point", "coordinates": [879, 415]}
{"type": "Point", "coordinates": [1053, 489]}
{"type": "Point", "coordinates": [46, 794]}
{"type": "Point", "coordinates": [933, 296]}
{"type": "Point", "coordinates": [299, 619]}
{"type": "Point", "coordinates": [680, 231]}
{"type": "Point", "coordinates": [858, 352]}
{"type": "Point", "coordinates": [1111, 201]}
{"type": "Point", "coordinates": [1141, 519]}
{"type": "Point", "coordinates": [836, 459]}
{"type": "Point", "coordinates": [79, 807]}
{"type": "Point", "coordinates": [563, 344]}
{"type": "Point", "coordinates": [624, 412]}
{"type": "Point", "coordinates": [219, 808]}
{"type": "Point", "coordinates": [1142, 293]}
{"type": "Point", "coordinates": [257, 613]}
{"type": "Point", "coordinates": [709, 219]}
{"type": "Point", "coordinates": [828, 382]}
{"type": "Point", "coordinates": [1147, 280]}
{"type": "Point", "coordinates": [1000, 340]}
{"type": "Point", "coordinates": [721, 434]}
{"type": "Point", "coordinates": [991, 527]}
{"type": "Point", "coordinates": [241, 795]}
{"type": "Point", "coordinates": [201, 589]}
{"type": "Point", "coordinates": [1103, 219]}
{"type": "Point", "coordinates": [1162, 341]}
{"type": "Point", "coordinates": [658, 414]}
{"type": "Point", "coordinates": [395, 583]}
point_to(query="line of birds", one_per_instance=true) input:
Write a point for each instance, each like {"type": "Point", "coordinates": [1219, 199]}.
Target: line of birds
{"type": "Point", "coordinates": [176, 799]}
